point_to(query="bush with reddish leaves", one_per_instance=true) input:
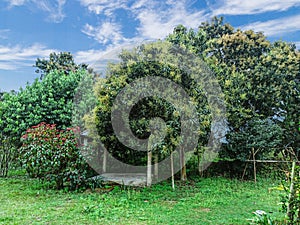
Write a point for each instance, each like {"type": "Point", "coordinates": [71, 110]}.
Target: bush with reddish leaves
{"type": "Point", "coordinates": [53, 155]}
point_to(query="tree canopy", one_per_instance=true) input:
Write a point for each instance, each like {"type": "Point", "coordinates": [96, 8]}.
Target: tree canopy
{"type": "Point", "coordinates": [48, 100]}
{"type": "Point", "coordinates": [260, 79]}
{"type": "Point", "coordinates": [62, 61]}
{"type": "Point", "coordinates": [134, 65]}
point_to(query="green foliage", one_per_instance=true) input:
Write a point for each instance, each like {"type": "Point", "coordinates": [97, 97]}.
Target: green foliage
{"type": "Point", "coordinates": [137, 64]}
{"type": "Point", "coordinates": [194, 41]}
{"type": "Point", "coordinates": [263, 136]}
{"type": "Point", "coordinates": [284, 63]}
{"type": "Point", "coordinates": [62, 62]}
{"type": "Point", "coordinates": [1, 95]}
{"type": "Point", "coordinates": [291, 199]}
{"type": "Point", "coordinates": [260, 80]}
{"type": "Point", "coordinates": [8, 153]}
{"type": "Point", "coordinates": [262, 218]}
{"type": "Point", "coordinates": [84, 100]}
{"type": "Point", "coordinates": [49, 100]}
{"type": "Point", "coordinates": [216, 28]}
{"type": "Point", "coordinates": [53, 155]}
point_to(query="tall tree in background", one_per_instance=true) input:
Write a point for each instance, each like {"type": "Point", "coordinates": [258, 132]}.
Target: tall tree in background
{"type": "Point", "coordinates": [49, 100]}
{"type": "Point", "coordinates": [62, 61]}
{"type": "Point", "coordinates": [260, 80]}
{"type": "Point", "coordinates": [283, 64]}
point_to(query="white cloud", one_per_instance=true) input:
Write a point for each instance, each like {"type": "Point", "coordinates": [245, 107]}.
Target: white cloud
{"type": "Point", "coordinates": [158, 22]}
{"type": "Point", "coordinates": [53, 8]}
{"type": "Point", "coordinates": [156, 18]}
{"type": "Point", "coordinates": [13, 3]}
{"type": "Point", "coordinates": [7, 66]}
{"type": "Point", "coordinates": [104, 6]}
{"type": "Point", "coordinates": [98, 59]}
{"type": "Point", "coordinates": [4, 33]}
{"type": "Point", "coordinates": [107, 32]}
{"type": "Point", "coordinates": [13, 58]}
{"type": "Point", "coordinates": [242, 7]}
{"type": "Point", "coordinates": [276, 27]}
{"type": "Point", "coordinates": [139, 4]}
{"type": "Point", "coordinates": [297, 45]}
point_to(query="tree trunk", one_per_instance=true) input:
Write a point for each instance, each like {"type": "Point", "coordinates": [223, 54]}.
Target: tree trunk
{"type": "Point", "coordinates": [291, 199]}
{"type": "Point", "coordinates": [254, 164]}
{"type": "Point", "coordinates": [156, 166]}
{"type": "Point", "coordinates": [104, 165]}
{"type": "Point", "coordinates": [200, 170]}
{"type": "Point", "coordinates": [149, 168]}
{"type": "Point", "coordinates": [183, 176]}
{"type": "Point", "coordinates": [172, 171]}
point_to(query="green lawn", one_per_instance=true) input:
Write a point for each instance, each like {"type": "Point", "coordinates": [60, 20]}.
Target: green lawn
{"type": "Point", "coordinates": [207, 201]}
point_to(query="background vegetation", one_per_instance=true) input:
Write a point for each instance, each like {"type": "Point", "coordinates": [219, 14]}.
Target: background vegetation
{"type": "Point", "coordinates": [260, 81]}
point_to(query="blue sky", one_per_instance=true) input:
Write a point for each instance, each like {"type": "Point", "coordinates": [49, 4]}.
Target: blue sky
{"type": "Point", "coordinates": [93, 30]}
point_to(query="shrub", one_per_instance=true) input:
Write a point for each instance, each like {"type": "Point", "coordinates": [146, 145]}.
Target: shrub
{"type": "Point", "coordinates": [53, 155]}
{"type": "Point", "coordinates": [7, 153]}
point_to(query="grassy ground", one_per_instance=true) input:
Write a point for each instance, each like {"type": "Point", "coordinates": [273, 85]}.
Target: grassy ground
{"type": "Point", "coordinates": [207, 201]}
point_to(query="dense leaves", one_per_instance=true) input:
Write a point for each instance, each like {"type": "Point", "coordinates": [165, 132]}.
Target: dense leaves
{"type": "Point", "coordinates": [260, 136]}
{"type": "Point", "coordinates": [63, 62]}
{"type": "Point", "coordinates": [135, 65]}
{"type": "Point", "coordinates": [8, 153]}
{"type": "Point", "coordinates": [53, 155]}
{"type": "Point", "coordinates": [260, 80]}
{"type": "Point", "coordinates": [49, 100]}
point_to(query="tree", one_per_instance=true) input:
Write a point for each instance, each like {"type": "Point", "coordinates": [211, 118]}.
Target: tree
{"type": "Point", "coordinates": [260, 80]}
{"type": "Point", "coordinates": [216, 28]}
{"type": "Point", "coordinates": [262, 136]}
{"type": "Point", "coordinates": [283, 63]}
{"type": "Point", "coordinates": [49, 100]}
{"type": "Point", "coordinates": [141, 63]}
{"type": "Point", "coordinates": [62, 61]}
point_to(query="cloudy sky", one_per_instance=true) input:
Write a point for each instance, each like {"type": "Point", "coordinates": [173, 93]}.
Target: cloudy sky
{"type": "Point", "coordinates": [93, 29]}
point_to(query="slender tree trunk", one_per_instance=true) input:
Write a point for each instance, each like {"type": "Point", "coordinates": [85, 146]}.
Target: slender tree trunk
{"type": "Point", "coordinates": [290, 206]}
{"type": "Point", "coordinates": [183, 176]}
{"type": "Point", "coordinates": [104, 165]}
{"type": "Point", "coordinates": [149, 168]}
{"type": "Point", "coordinates": [149, 161]}
{"type": "Point", "coordinates": [200, 170]}
{"type": "Point", "coordinates": [156, 166]}
{"type": "Point", "coordinates": [172, 171]}
{"type": "Point", "coordinates": [254, 164]}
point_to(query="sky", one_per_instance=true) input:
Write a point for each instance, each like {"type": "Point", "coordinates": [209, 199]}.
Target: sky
{"type": "Point", "coordinates": [95, 30]}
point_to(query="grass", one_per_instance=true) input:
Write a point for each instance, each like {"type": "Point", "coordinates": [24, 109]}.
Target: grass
{"type": "Point", "coordinates": [206, 201]}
